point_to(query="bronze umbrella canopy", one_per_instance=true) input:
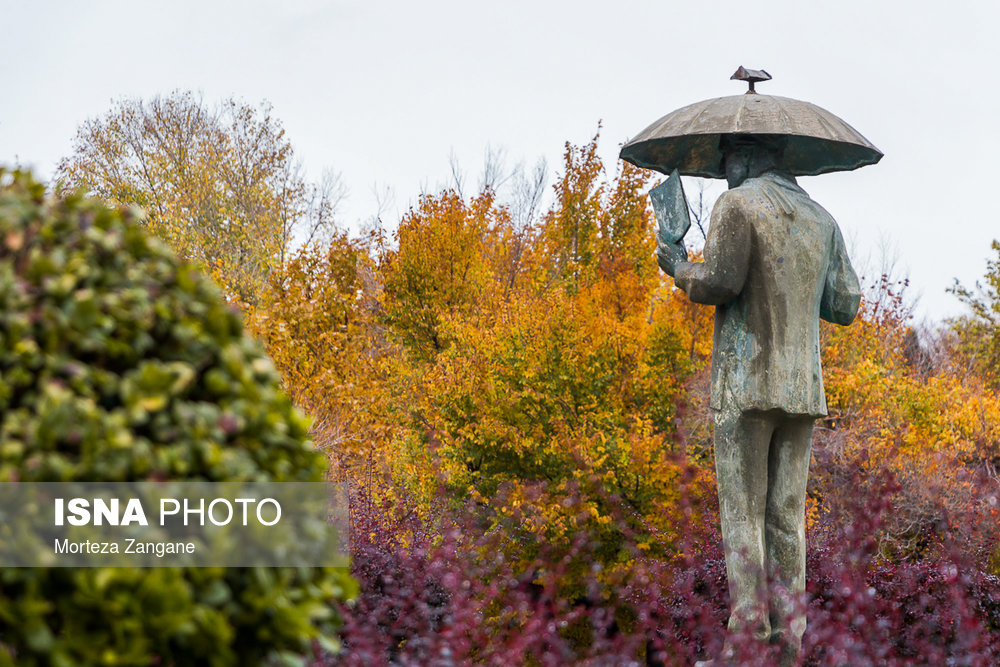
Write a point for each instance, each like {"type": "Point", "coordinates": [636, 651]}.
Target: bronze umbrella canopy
{"type": "Point", "coordinates": [688, 139]}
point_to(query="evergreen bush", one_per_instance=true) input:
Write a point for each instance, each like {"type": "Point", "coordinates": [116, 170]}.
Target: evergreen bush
{"type": "Point", "coordinates": [121, 362]}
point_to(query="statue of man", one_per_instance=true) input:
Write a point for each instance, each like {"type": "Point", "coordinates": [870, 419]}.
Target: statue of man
{"type": "Point", "coordinates": [775, 263]}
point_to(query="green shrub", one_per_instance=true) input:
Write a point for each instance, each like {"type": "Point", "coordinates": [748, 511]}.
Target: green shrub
{"type": "Point", "coordinates": [119, 362]}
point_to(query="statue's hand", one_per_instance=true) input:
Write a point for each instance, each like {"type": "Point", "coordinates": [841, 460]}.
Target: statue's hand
{"type": "Point", "coordinates": [669, 255]}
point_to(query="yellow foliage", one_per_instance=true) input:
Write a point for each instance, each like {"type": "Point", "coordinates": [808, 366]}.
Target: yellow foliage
{"type": "Point", "coordinates": [221, 186]}
{"type": "Point", "coordinates": [933, 428]}
{"type": "Point", "coordinates": [551, 375]}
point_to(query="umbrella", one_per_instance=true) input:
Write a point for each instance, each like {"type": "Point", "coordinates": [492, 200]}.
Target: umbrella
{"type": "Point", "coordinates": [688, 139]}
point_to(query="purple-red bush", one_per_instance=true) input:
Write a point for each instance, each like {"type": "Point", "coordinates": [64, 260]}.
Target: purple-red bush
{"type": "Point", "coordinates": [450, 591]}
{"type": "Point", "coordinates": [869, 608]}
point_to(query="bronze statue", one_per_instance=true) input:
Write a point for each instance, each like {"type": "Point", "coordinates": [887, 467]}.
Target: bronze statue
{"type": "Point", "coordinates": [775, 263]}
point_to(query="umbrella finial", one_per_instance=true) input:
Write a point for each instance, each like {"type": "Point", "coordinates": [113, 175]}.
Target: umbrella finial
{"type": "Point", "coordinates": [751, 76]}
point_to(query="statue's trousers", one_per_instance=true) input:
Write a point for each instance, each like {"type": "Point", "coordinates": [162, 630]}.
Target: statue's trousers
{"type": "Point", "coordinates": [762, 465]}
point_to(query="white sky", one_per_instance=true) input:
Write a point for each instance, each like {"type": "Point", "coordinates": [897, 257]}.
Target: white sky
{"type": "Point", "coordinates": [384, 92]}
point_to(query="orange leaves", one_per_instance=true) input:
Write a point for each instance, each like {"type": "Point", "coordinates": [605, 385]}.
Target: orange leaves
{"type": "Point", "coordinates": [451, 260]}
{"type": "Point", "coordinates": [930, 426]}
{"type": "Point", "coordinates": [484, 356]}
{"type": "Point", "coordinates": [901, 411]}
{"type": "Point", "coordinates": [595, 228]}
{"type": "Point", "coordinates": [316, 325]}
{"type": "Point", "coordinates": [549, 355]}
{"type": "Point", "coordinates": [571, 225]}
{"type": "Point", "coordinates": [311, 311]}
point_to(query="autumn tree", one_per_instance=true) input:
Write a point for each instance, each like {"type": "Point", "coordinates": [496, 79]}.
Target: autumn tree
{"type": "Point", "coordinates": [544, 373]}
{"type": "Point", "coordinates": [219, 184]}
{"type": "Point", "coordinates": [450, 255]}
{"type": "Point", "coordinates": [571, 225]}
{"type": "Point", "coordinates": [317, 321]}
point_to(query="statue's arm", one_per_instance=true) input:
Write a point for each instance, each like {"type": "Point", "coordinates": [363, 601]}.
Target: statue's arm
{"type": "Point", "coordinates": [719, 279]}
{"type": "Point", "coordinates": [842, 291]}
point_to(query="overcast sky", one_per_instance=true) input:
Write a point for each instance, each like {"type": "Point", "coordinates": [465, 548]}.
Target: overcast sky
{"type": "Point", "coordinates": [385, 92]}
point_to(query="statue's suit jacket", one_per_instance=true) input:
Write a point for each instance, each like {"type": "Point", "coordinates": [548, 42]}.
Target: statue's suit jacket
{"type": "Point", "coordinates": [774, 264]}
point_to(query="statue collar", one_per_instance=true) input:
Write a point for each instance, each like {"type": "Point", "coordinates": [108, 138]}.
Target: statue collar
{"type": "Point", "coordinates": [782, 178]}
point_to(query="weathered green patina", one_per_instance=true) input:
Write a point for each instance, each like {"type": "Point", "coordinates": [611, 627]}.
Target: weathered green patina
{"type": "Point", "coordinates": [774, 264]}
{"type": "Point", "coordinates": [671, 209]}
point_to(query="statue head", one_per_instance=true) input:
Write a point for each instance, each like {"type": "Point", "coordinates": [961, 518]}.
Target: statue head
{"type": "Point", "coordinates": [750, 155]}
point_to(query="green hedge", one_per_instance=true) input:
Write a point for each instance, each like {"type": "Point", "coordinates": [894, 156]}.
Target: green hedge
{"type": "Point", "coordinates": [119, 362]}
